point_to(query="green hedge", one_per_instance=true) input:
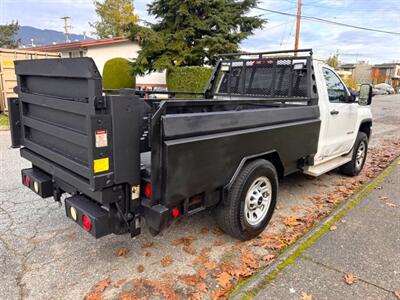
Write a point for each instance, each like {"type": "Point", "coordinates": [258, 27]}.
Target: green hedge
{"type": "Point", "coordinates": [117, 74]}
{"type": "Point", "coordinates": [187, 79]}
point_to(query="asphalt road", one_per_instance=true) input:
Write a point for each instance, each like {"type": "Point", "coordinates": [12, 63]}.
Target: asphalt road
{"type": "Point", "coordinates": [44, 255]}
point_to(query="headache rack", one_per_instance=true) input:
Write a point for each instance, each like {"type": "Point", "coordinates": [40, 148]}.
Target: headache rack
{"type": "Point", "coordinates": [278, 76]}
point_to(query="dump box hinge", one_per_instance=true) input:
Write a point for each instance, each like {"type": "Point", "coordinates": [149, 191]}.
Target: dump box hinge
{"type": "Point", "coordinates": [100, 103]}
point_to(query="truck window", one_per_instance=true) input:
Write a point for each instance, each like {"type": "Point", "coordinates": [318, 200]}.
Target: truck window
{"type": "Point", "coordinates": [258, 79]}
{"type": "Point", "coordinates": [335, 87]}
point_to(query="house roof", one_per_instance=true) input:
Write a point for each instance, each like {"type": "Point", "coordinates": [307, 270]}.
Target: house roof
{"type": "Point", "coordinates": [77, 45]}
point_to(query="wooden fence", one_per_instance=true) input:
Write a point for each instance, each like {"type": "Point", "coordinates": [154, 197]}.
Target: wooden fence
{"type": "Point", "coordinates": [7, 73]}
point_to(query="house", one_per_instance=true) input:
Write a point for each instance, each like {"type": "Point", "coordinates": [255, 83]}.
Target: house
{"type": "Point", "coordinates": [360, 72]}
{"type": "Point", "coordinates": [388, 73]}
{"type": "Point", "coordinates": [103, 50]}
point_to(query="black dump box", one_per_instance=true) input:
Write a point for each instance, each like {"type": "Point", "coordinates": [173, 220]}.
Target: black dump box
{"type": "Point", "coordinates": [122, 157]}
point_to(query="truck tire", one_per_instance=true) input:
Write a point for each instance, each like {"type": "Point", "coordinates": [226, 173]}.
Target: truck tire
{"type": "Point", "coordinates": [354, 167]}
{"type": "Point", "coordinates": [251, 201]}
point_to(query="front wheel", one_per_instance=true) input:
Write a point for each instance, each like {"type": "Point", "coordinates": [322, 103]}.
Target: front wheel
{"type": "Point", "coordinates": [251, 201]}
{"type": "Point", "coordinates": [354, 167]}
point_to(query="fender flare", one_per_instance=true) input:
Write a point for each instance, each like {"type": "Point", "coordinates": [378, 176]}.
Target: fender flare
{"type": "Point", "coordinates": [244, 160]}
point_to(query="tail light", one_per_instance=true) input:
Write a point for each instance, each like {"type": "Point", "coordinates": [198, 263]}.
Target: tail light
{"type": "Point", "coordinates": [86, 223]}
{"type": "Point", "coordinates": [27, 180]}
{"type": "Point", "coordinates": [147, 190]}
{"type": "Point", "coordinates": [175, 212]}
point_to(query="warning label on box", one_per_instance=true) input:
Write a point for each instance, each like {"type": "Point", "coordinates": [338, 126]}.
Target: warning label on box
{"type": "Point", "coordinates": [101, 138]}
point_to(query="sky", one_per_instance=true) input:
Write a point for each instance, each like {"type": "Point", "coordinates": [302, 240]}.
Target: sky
{"type": "Point", "coordinates": [278, 34]}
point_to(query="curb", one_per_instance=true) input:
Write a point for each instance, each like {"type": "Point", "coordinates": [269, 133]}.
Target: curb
{"type": "Point", "coordinates": [260, 280]}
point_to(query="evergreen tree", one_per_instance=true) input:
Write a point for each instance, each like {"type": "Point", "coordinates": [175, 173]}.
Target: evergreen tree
{"type": "Point", "coordinates": [7, 35]}
{"type": "Point", "coordinates": [192, 32]}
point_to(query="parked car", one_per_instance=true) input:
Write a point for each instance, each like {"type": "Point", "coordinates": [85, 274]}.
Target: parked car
{"type": "Point", "coordinates": [122, 159]}
{"type": "Point", "coordinates": [379, 91]}
{"type": "Point", "coordinates": [384, 89]}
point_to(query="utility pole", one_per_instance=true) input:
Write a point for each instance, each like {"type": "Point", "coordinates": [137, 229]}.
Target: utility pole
{"type": "Point", "coordinates": [296, 41]}
{"type": "Point", "coordinates": [66, 28]}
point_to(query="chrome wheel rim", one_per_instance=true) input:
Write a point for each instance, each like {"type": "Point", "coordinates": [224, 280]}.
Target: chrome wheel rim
{"type": "Point", "coordinates": [258, 200]}
{"type": "Point", "coordinates": [360, 155]}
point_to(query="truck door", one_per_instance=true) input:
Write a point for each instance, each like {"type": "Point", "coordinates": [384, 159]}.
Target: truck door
{"type": "Point", "coordinates": [341, 116]}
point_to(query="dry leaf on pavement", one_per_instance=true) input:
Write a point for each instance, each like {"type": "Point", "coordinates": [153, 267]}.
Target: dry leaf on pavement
{"type": "Point", "coordinates": [305, 296]}
{"type": "Point", "coordinates": [189, 249]}
{"type": "Point", "coordinates": [140, 269]}
{"type": "Point", "coordinates": [122, 252]}
{"type": "Point", "coordinates": [397, 293]}
{"type": "Point", "coordinates": [102, 285]}
{"type": "Point", "coordinates": [290, 221]}
{"type": "Point", "coordinates": [147, 245]}
{"type": "Point", "coordinates": [350, 278]}
{"type": "Point", "coordinates": [204, 230]}
{"type": "Point", "coordinates": [268, 257]}
{"type": "Point", "coordinates": [166, 261]}
{"type": "Point", "coordinates": [224, 279]}
{"type": "Point", "coordinates": [332, 228]}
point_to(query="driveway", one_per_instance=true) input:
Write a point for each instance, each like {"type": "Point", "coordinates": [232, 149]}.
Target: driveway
{"type": "Point", "coordinates": [44, 255]}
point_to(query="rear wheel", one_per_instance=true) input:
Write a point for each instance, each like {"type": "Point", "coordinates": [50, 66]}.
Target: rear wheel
{"type": "Point", "coordinates": [354, 167]}
{"type": "Point", "coordinates": [251, 201]}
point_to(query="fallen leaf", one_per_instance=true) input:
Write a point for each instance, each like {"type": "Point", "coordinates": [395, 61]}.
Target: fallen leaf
{"type": "Point", "coordinates": [147, 253]}
{"type": "Point", "coordinates": [350, 278]}
{"type": "Point", "coordinates": [203, 274]}
{"type": "Point", "coordinates": [217, 231]}
{"type": "Point", "coordinates": [268, 257]}
{"type": "Point", "coordinates": [397, 294]}
{"type": "Point", "coordinates": [343, 221]}
{"type": "Point", "coordinates": [122, 252]}
{"type": "Point", "coordinates": [290, 221]}
{"type": "Point", "coordinates": [390, 204]}
{"type": "Point", "coordinates": [203, 257]}
{"type": "Point", "coordinates": [201, 287]}
{"type": "Point", "coordinates": [189, 249]}
{"type": "Point", "coordinates": [93, 296]}
{"type": "Point", "coordinates": [147, 245]}
{"type": "Point", "coordinates": [204, 230]}
{"type": "Point", "coordinates": [210, 265]}
{"type": "Point", "coordinates": [219, 242]}
{"type": "Point", "coordinates": [383, 198]}
{"type": "Point", "coordinates": [191, 280]}
{"type": "Point", "coordinates": [140, 269]}
{"type": "Point", "coordinates": [102, 285]}
{"type": "Point", "coordinates": [120, 282]}
{"type": "Point", "coordinates": [305, 296]}
{"type": "Point", "coordinates": [224, 279]}
{"type": "Point", "coordinates": [332, 228]}
{"type": "Point", "coordinates": [166, 261]}
{"type": "Point", "coordinates": [187, 240]}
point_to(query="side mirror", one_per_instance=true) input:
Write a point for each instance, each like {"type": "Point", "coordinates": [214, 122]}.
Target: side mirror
{"type": "Point", "coordinates": [365, 97]}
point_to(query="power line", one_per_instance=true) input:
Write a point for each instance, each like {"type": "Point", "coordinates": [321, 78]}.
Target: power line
{"type": "Point", "coordinates": [316, 19]}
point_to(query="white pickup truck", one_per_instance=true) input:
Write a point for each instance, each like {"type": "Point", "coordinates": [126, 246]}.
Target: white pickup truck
{"type": "Point", "coordinates": [123, 158]}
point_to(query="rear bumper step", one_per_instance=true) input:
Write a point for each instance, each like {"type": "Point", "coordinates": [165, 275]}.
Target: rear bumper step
{"type": "Point", "coordinates": [77, 207]}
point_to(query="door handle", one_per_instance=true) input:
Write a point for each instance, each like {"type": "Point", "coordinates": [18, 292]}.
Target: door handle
{"type": "Point", "coordinates": [334, 112]}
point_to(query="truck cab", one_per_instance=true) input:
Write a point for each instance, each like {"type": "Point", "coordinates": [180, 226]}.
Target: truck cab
{"type": "Point", "coordinates": [342, 118]}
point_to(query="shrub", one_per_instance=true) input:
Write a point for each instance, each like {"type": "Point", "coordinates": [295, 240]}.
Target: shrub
{"type": "Point", "coordinates": [188, 79]}
{"type": "Point", "coordinates": [117, 74]}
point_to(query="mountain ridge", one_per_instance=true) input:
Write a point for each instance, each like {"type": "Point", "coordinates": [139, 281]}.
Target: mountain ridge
{"type": "Point", "coordinates": [43, 37]}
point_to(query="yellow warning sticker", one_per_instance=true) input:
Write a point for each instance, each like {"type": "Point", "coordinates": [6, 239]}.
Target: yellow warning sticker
{"type": "Point", "coordinates": [101, 165]}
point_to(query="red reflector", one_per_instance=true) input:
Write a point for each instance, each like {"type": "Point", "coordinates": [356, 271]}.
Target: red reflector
{"type": "Point", "coordinates": [147, 190]}
{"type": "Point", "coordinates": [175, 212]}
{"type": "Point", "coordinates": [27, 181]}
{"type": "Point", "coordinates": [87, 224]}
